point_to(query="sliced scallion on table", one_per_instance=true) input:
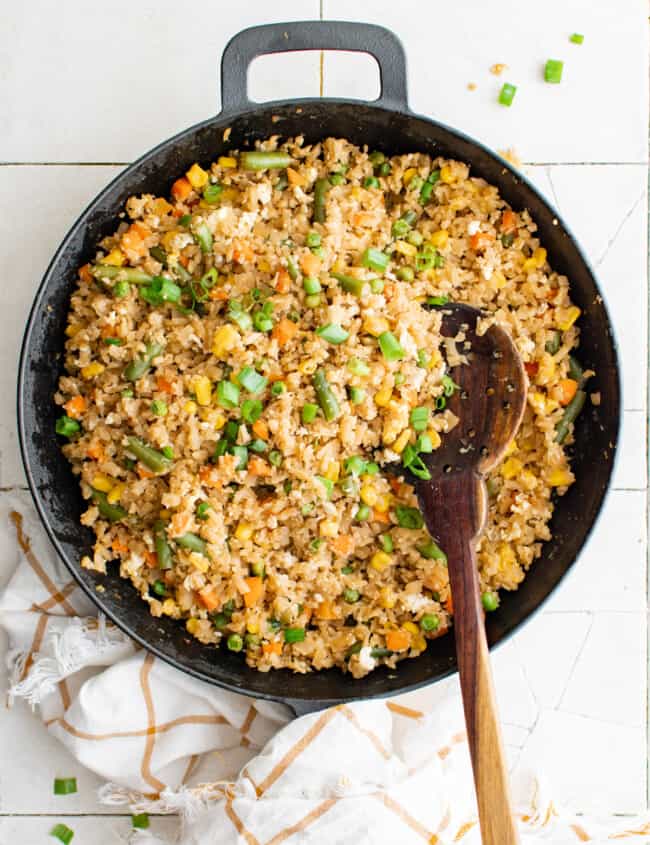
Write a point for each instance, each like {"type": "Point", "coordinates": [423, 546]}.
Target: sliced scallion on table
{"type": "Point", "coordinates": [553, 71]}
{"type": "Point", "coordinates": [65, 786]}
{"type": "Point", "coordinates": [576, 38]}
{"type": "Point", "coordinates": [140, 821]}
{"type": "Point", "coordinates": [63, 833]}
{"type": "Point", "coordinates": [507, 94]}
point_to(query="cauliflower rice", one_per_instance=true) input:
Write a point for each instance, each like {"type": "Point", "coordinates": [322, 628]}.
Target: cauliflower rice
{"type": "Point", "coordinates": [244, 360]}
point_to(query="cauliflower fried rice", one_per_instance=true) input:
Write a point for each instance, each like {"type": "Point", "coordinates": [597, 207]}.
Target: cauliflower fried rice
{"type": "Point", "coordinates": [246, 359]}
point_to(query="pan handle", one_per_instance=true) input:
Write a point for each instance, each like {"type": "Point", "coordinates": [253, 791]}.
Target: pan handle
{"type": "Point", "coordinates": [256, 41]}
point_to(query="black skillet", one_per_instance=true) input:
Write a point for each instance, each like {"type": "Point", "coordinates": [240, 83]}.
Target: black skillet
{"type": "Point", "coordinates": [386, 124]}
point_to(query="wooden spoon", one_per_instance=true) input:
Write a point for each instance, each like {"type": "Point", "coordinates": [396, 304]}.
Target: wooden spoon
{"type": "Point", "coordinates": [490, 405]}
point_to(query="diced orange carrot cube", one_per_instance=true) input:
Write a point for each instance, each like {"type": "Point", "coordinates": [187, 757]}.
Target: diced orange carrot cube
{"type": "Point", "coordinates": [284, 330]}
{"type": "Point", "coordinates": [283, 282]}
{"type": "Point", "coordinates": [343, 545]}
{"type": "Point", "coordinates": [398, 640]}
{"type": "Point", "coordinates": [260, 429]}
{"type": "Point", "coordinates": [567, 389]}
{"type": "Point", "coordinates": [310, 264]}
{"type": "Point", "coordinates": [209, 598]}
{"type": "Point", "coordinates": [75, 407]}
{"type": "Point", "coordinates": [255, 589]}
{"type": "Point", "coordinates": [181, 189]}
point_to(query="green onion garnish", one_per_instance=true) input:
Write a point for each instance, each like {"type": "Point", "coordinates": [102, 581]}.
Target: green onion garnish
{"type": "Point", "coordinates": [408, 517]}
{"type": "Point", "coordinates": [240, 452]}
{"type": "Point", "coordinates": [63, 833]}
{"type": "Point", "coordinates": [66, 426]}
{"type": "Point", "coordinates": [390, 347]}
{"type": "Point", "coordinates": [202, 510]}
{"type": "Point", "coordinates": [576, 38]}
{"type": "Point", "coordinates": [375, 260]}
{"type": "Point", "coordinates": [419, 417]}
{"type": "Point", "coordinates": [140, 821]}
{"type": "Point", "coordinates": [356, 394]}
{"type": "Point", "coordinates": [413, 462]}
{"type": "Point", "coordinates": [327, 484]}
{"type": "Point", "coordinates": [65, 786]}
{"type": "Point", "coordinates": [424, 444]}
{"type": "Point", "coordinates": [278, 388]}
{"type": "Point", "coordinates": [350, 284]}
{"type": "Point", "coordinates": [437, 300]}
{"type": "Point", "coordinates": [251, 380]}
{"type": "Point", "coordinates": [357, 367]}
{"type": "Point", "coordinates": [309, 413]}
{"type": "Point", "coordinates": [354, 465]}
{"type": "Point", "coordinates": [294, 635]}
{"type": "Point", "coordinates": [212, 192]}
{"type": "Point", "coordinates": [311, 285]}
{"type": "Point", "coordinates": [227, 395]}
{"type": "Point", "coordinates": [507, 94]}
{"type": "Point", "coordinates": [362, 514]}
{"type": "Point", "coordinates": [333, 333]}
{"type": "Point", "coordinates": [386, 542]}
{"type": "Point", "coordinates": [251, 410]}
{"type": "Point", "coordinates": [448, 385]}
{"type": "Point", "coordinates": [553, 71]}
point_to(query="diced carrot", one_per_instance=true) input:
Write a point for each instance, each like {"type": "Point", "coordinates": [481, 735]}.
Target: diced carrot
{"type": "Point", "coordinates": [181, 189]}
{"type": "Point", "coordinates": [567, 389]}
{"type": "Point", "coordinates": [255, 590]}
{"type": "Point", "coordinates": [142, 230]}
{"type": "Point", "coordinates": [218, 293]}
{"type": "Point", "coordinates": [310, 264]}
{"type": "Point", "coordinates": [258, 466]}
{"type": "Point", "coordinates": [508, 221]}
{"type": "Point", "coordinates": [209, 598]}
{"type": "Point", "coordinates": [363, 218]}
{"type": "Point", "coordinates": [532, 368]}
{"type": "Point", "coordinates": [184, 260]}
{"type": "Point", "coordinates": [272, 648]}
{"type": "Point", "coordinates": [343, 545]}
{"type": "Point", "coordinates": [209, 476]}
{"type": "Point", "coordinates": [283, 281]}
{"type": "Point", "coordinates": [75, 407]}
{"type": "Point", "coordinates": [177, 212]}
{"type": "Point", "coordinates": [284, 330]}
{"type": "Point", "coordinates": [389, 290]}
{"type": "Point", "coordinates": [398, 640]}
{"type": "Point", "coordinates": [151, 558]}
{"type": "Point", "coordinates": [164, 385]}
{"type": "Point", "coordinates": [260, 429]}
{"type": "Point", "coordinates": [108, 331]}
{"type": "Point", "coordinates": [243, 252]}
{"type": "Point", "coordinates": [326, 610]}
{"type": "Point", "coordinates": [480, 241]}
{"type": "Point", "coordinates": [448, 605]}
{"type": "Point", "coordinates": [96, 451]}
{"type": "Point", "coordinates": [296, 178]}
{"type": "Point", "coordinates": [143, 472]}
{"type": "Point", "coordinates": [119, 546]}
{"type": "Point", "coordinates": [395, 484]}
{"type": "Point", "coordinates": [84, 274]}
{"type": "Point", "coordinates": [380, 516]}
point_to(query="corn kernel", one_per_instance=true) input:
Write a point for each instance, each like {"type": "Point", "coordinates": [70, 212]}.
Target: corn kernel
{"type": "Point", "coordinates": [418, 642]}
{"type": "Point", "coordinates": [383, 396]}
{"type": "Point", "coordinates": [560, 477]}
{"type": "Point", "coordinates": [380, 561]}
{"type": "Point", "coordinates": [333, 471]}
{"type": "Point", "coordinates": [409, 173]}
{"type": "Point", "coordinates": [264, 266]}
{"type": "Point", "coordinates": [225, 339]}
{"type": "Point", "coordinates": [537, 401]}
{"type": "Point", "coordinates": [435, 438]}
{"type": "Point", "coordinates": [115, 258]}
{"type": "Point", "coordinates": [400, 444]}
{"type": "Point", "coordinates": [244, 532]}
{"type": "Point", "coordinates": [511, 468]}
{"type": "Point", "coordinates": [498, 279]}
{"type": "Point", "coordinates": [355, 192]}
{"type": "Point", "coordinates": [338, 266]}
{"type": "Point", "coordinates": [202, 387]}
{"type": "Point", "coordinates": [387, 598]}
{"type": "Point", "coordinates": [507, 557]}
{"type": "Point", "coordinates": [227, 161]}
{"type": "Point", "coordinates": [168, 240]}
{"type": "Point", "coordinates": [540, 256]}
{"type": "Point", "coordinates": [102, 482]}
{"type": "Point", "coordinates": [411, 627]}
{"type": "Point", "coordinates": [115, 493]}
{"type": "Point", "coordinates": [405, 248]}
{"type": "Point", "coordinates": [199, 562]}
{"type": "Point", "coordinates": [383, 503]}
{"type": "Point", "coordinates": [252, 626]}
{"type": "Point", "coordinates": [308, 367]}
{"type": "Point", "coordinates": [328, 528]}
{"type": "Point", "coordinates": [446, 174]}
{"type": "Point", "coordinates": [439, 239]}
{"type": "Point", "coordinates": [218, 421]}
{"type": "Point", "coordinates": [189, 407]}
{"type": "Point", "coordinates": [368, 495]}
{"type": "Point", "coordinates": [197, 176]}
{"type": "Point", "coordinates": [528, 479]}
{"type": "Point", "coordinates": [192, 626]}
{"type": "Point", "coordinates": [161, 207]}
{"type": "Point", "coordinates": [529, 264]}
{"type": "Point", "coordinates": [169, 607]}
{"type": "Point", "coordinates": [92, 370]}
{"type": "Point", "coordinates": [165, 513]}
{"type": "Point", "coordinates": [72, 330]}
{"type": "Point", "coordinates": [375, 325]}
{"type": "Point", "coordinates": [511, 447]}
{"type": "Point", "coordinates": [565, 319]}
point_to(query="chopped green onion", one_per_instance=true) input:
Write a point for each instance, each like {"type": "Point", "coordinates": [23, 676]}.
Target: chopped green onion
{"type": "Point", "coordinates": [358, 367]}
{"type": "Point", "coordinates": [235, 642]}
{"type": "Point", "coordinates": [576, 38]}
{"type": "Point", "coordinates": [424, 444]}
{"type": "Point", "coordinates": [65, 786]}
{"type": "Point", "coordinates": [325, 396]}
{"type": "Point", "coordinates": [362, 514]}
{"type": "Point", "coordinates": [212, 192]}
{"type": "Point", "coordinates": [120, 289]}
{"type": "Point", "coordinates": [309, 413]}
{"type": "Point", "coordinates": [333, 333]}
{"type": "Point", "coordinates": [275, 458]}
{"type": "Point", "coordinates": [327, 484]}
{"type": "Point", "coordinates": [371, 182]}
{"type": "Point", "coordinates": [311, 285]}
{"type": "Point", "coordinates": [377, 285]}
{"type": "Point", "coordinates": [386, 542]}
{"type": "Point", "coordinates": [371, 468]}
{"type": "Point", "coordinates": [507, 94]}
{"type": "Point", "coordinates": [390, 347]}
{"type": "Point", "coordinates": [437, 300]}
{"type": "Point", "coordinates": [313, 239]}
{"type": "Point", "coordinates": [408, 517]}
{"type": "Point", "coordinates": [294, 635]}
{"type": "Point", "coordinates": [258, 446]}
{"type": "Point", "coordinates": [413, 462]}
{"type": "Point", "coordinates": [278, 388]}
{"type": "Point", "coordinates": [63, 833]}
{"type": "Point", "coordinates": [240, 452]}
{"type": "Point", "coordinates": [237, 314]}
{"type": "Point", "coordinates": [351, 596]}
{"type": "Point", "coordinates": [441, 403]}
{"type": "Point", "coordinates": [260, 160]}
{"type": "Point", "coordinates": [251, 410]}
{"type": "Point", "coordinates": [66, 426]}
{"type": "Point", "coordinates": [202, 510]}
{"type": "Point", "coordinates": [423, 359]}
{"type": "Point", "coordinates": [405, 274]}
{"type": "Point", "coordinates": [140, 821]}
{"type": "Point", "coordinates": [430, 622]}
{"type": "Point", "coordinates": [354, 465]}
{"type": "Point", "coordinates": [553, 71]}
{"type": "Point", "coordinates": [159, 408]}
{"type": "Point", "coordinates": [490, 601]}
{"type": "Point", "coordinates": [113, 341]}
{"type": "Point", "coordinates": [251, 380]}
{"type": "Point", "coordinates": [350, 284]}
{"type": "Point", "coordinates": [419, 417]}
{"type": "Point", "coordinates": [448, 385]}
{"type": "Point", "coordinates": [432, 551]}
{"type": "Point", "coordinates": [227, 395]}
{"type": "Point", "coordinates": [203, 236]}
{"type": "Point", "coordinates": [374, 259]}
{"type": "Point", "coordinates": [356, 394]}
{"type": "Point", "coordinates": [160, 290]}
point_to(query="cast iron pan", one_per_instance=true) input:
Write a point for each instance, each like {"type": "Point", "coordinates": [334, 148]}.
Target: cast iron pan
{"type": "Point", "coordinates": [386, 124]}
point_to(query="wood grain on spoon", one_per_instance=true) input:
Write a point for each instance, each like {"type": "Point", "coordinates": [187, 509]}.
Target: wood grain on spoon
{"type": "Point", "coordinates": [489, 404]}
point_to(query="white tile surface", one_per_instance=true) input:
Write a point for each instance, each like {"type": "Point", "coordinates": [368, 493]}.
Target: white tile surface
{"type": "Point", "coordinates": [590, 116]}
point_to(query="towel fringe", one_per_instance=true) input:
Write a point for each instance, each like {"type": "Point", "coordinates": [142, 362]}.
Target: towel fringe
{"type": "Point", "coordinates": [187, 802]}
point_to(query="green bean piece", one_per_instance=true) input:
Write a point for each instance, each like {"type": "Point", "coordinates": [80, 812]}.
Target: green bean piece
{"type": "Point", "coordinates": [380, 652]}
{"type": "Point", "coordinates": [128, 274]}
{"type": "Point", "coordinates": [321, 187]}
{"type": "Point", "coordinates": [193, 543]}
{"type": "Point", "coordinates": [113, 513]}
{"type": "Point", "coordinates": [552, 345]}
{"type": "Point", "coordinates": [260, 160]}
{"type": "Point", "coordinates": [325, 396]}
{"type": "Point", "coordinates": [150, 457]}
{"type": "Point", "coordinates": [355, 648]}
{"type": "Point", "coordinates": [575, 371]}
{"type": "Point", "coordinates": [138, 367]}
{"type": "Point", "coordinates": [349, 283]}
{"type": "Point", "coordinates": [163, 549]}
{"type": "Point", "coordinates": [570, 414]}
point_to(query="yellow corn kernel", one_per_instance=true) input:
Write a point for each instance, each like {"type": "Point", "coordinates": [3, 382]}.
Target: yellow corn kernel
{"type": "Point", "coordinates": [418, 642]}
{"type": "Point", "coordinates": [383, 503]}
{"type": "Point", "coordinates": [197, 176]}
{"type": "Point", "coordinates": [530, 264]}
{"type": "Point", "coordinates": [160, 206]}
{"type": "Point", "coordinates": [498, 279]}
{"type": "Point", "coordinates": [252, 626]}
{"type": "Point", "coordinates": [115, 493]}
{"type": "Point", "coordinates": [511, 447]}
{"type": "Point", "coordinates": [507, 557]}
{"type": "Point", "coordinates": [115, 258]}
{"type": "Point", "coordinates": [227, 161]}
{"type": "Point", "coordinates": [368, 495]}
{"type": "Point", "coordinates": [537, 401]}
{"type": "Point", "coordinates": [400, 444]}
{"type": "Point", "coordinates": [405, 248]}
{"type": "Point", "coordinates": [264, 266]}
{"type": "Point", "coordinates": [169, 607]}
{"type": "Point", "coordinates": [328, 528]}
{"type": "Point", "coordinates": [338, 266]}
{"type": "Point", "coordinates": [244, 532]}
{"type": "Point", "coordinates": [540, 256]}
{"type": "Point", "coordinates": [565, 319]}
{"type": "Point", "coordinates": [528, 479]}
{"type": "Point", "coordinates": [386, 598]}
{"type": "Point", "coordinates": [92, 370]}
{"type": "Point", "coordinates": [439, 239]}
{"type": "Point", "coordinates": [202, 387]}
{"type": "Point", "coordinates": [435, 438]}
{"type": "Point", "coordinates": [72, 330]}
{"type": "Point", "coordinates": [225, 339]}
{"type": "Point", "coordinates": [168, 240]}
{"type": "Point", "coordinates": [383, 396]}
{"type": "Point", "coordinates": [218, 421]}
{"type": "Point", "coordinates": [446, 174]}
{"type": "Point", "coordinates": [189, 407]}
{"type": "Point", "coordinates": [409, 173]}
{"type": "Point", "coordinates": [333, 471]}
{"type": "Point", "coordinates": [560, 477]}
{"type": "Point", "coordinates": [199, 562]}
{"type": "Point", "coordinates": [192, 626]}
{"type": "Point", "coordinates": [380, 561]}
{"type": "Point", "coordinates": [308, 367]}
{"type": "Point", "coordinates": [229, 195]}
{"type": "Point", "coordinates": [102, 482]}
{"type": "Point", "coordinates": [355, 192]}
{"type": "Point", "coordinates": [375, 325]}
{"type": "Point", "coordinates": [411, 627]}
{"type": "Point", "coordinates": [511, 467]}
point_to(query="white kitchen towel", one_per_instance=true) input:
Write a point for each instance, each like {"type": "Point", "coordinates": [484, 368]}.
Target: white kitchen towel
{"type": "Point", "coordinates": [237, 770]}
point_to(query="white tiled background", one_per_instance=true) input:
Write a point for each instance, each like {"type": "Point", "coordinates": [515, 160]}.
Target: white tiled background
{"type": "Point", "coordinates": [85, 88]}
